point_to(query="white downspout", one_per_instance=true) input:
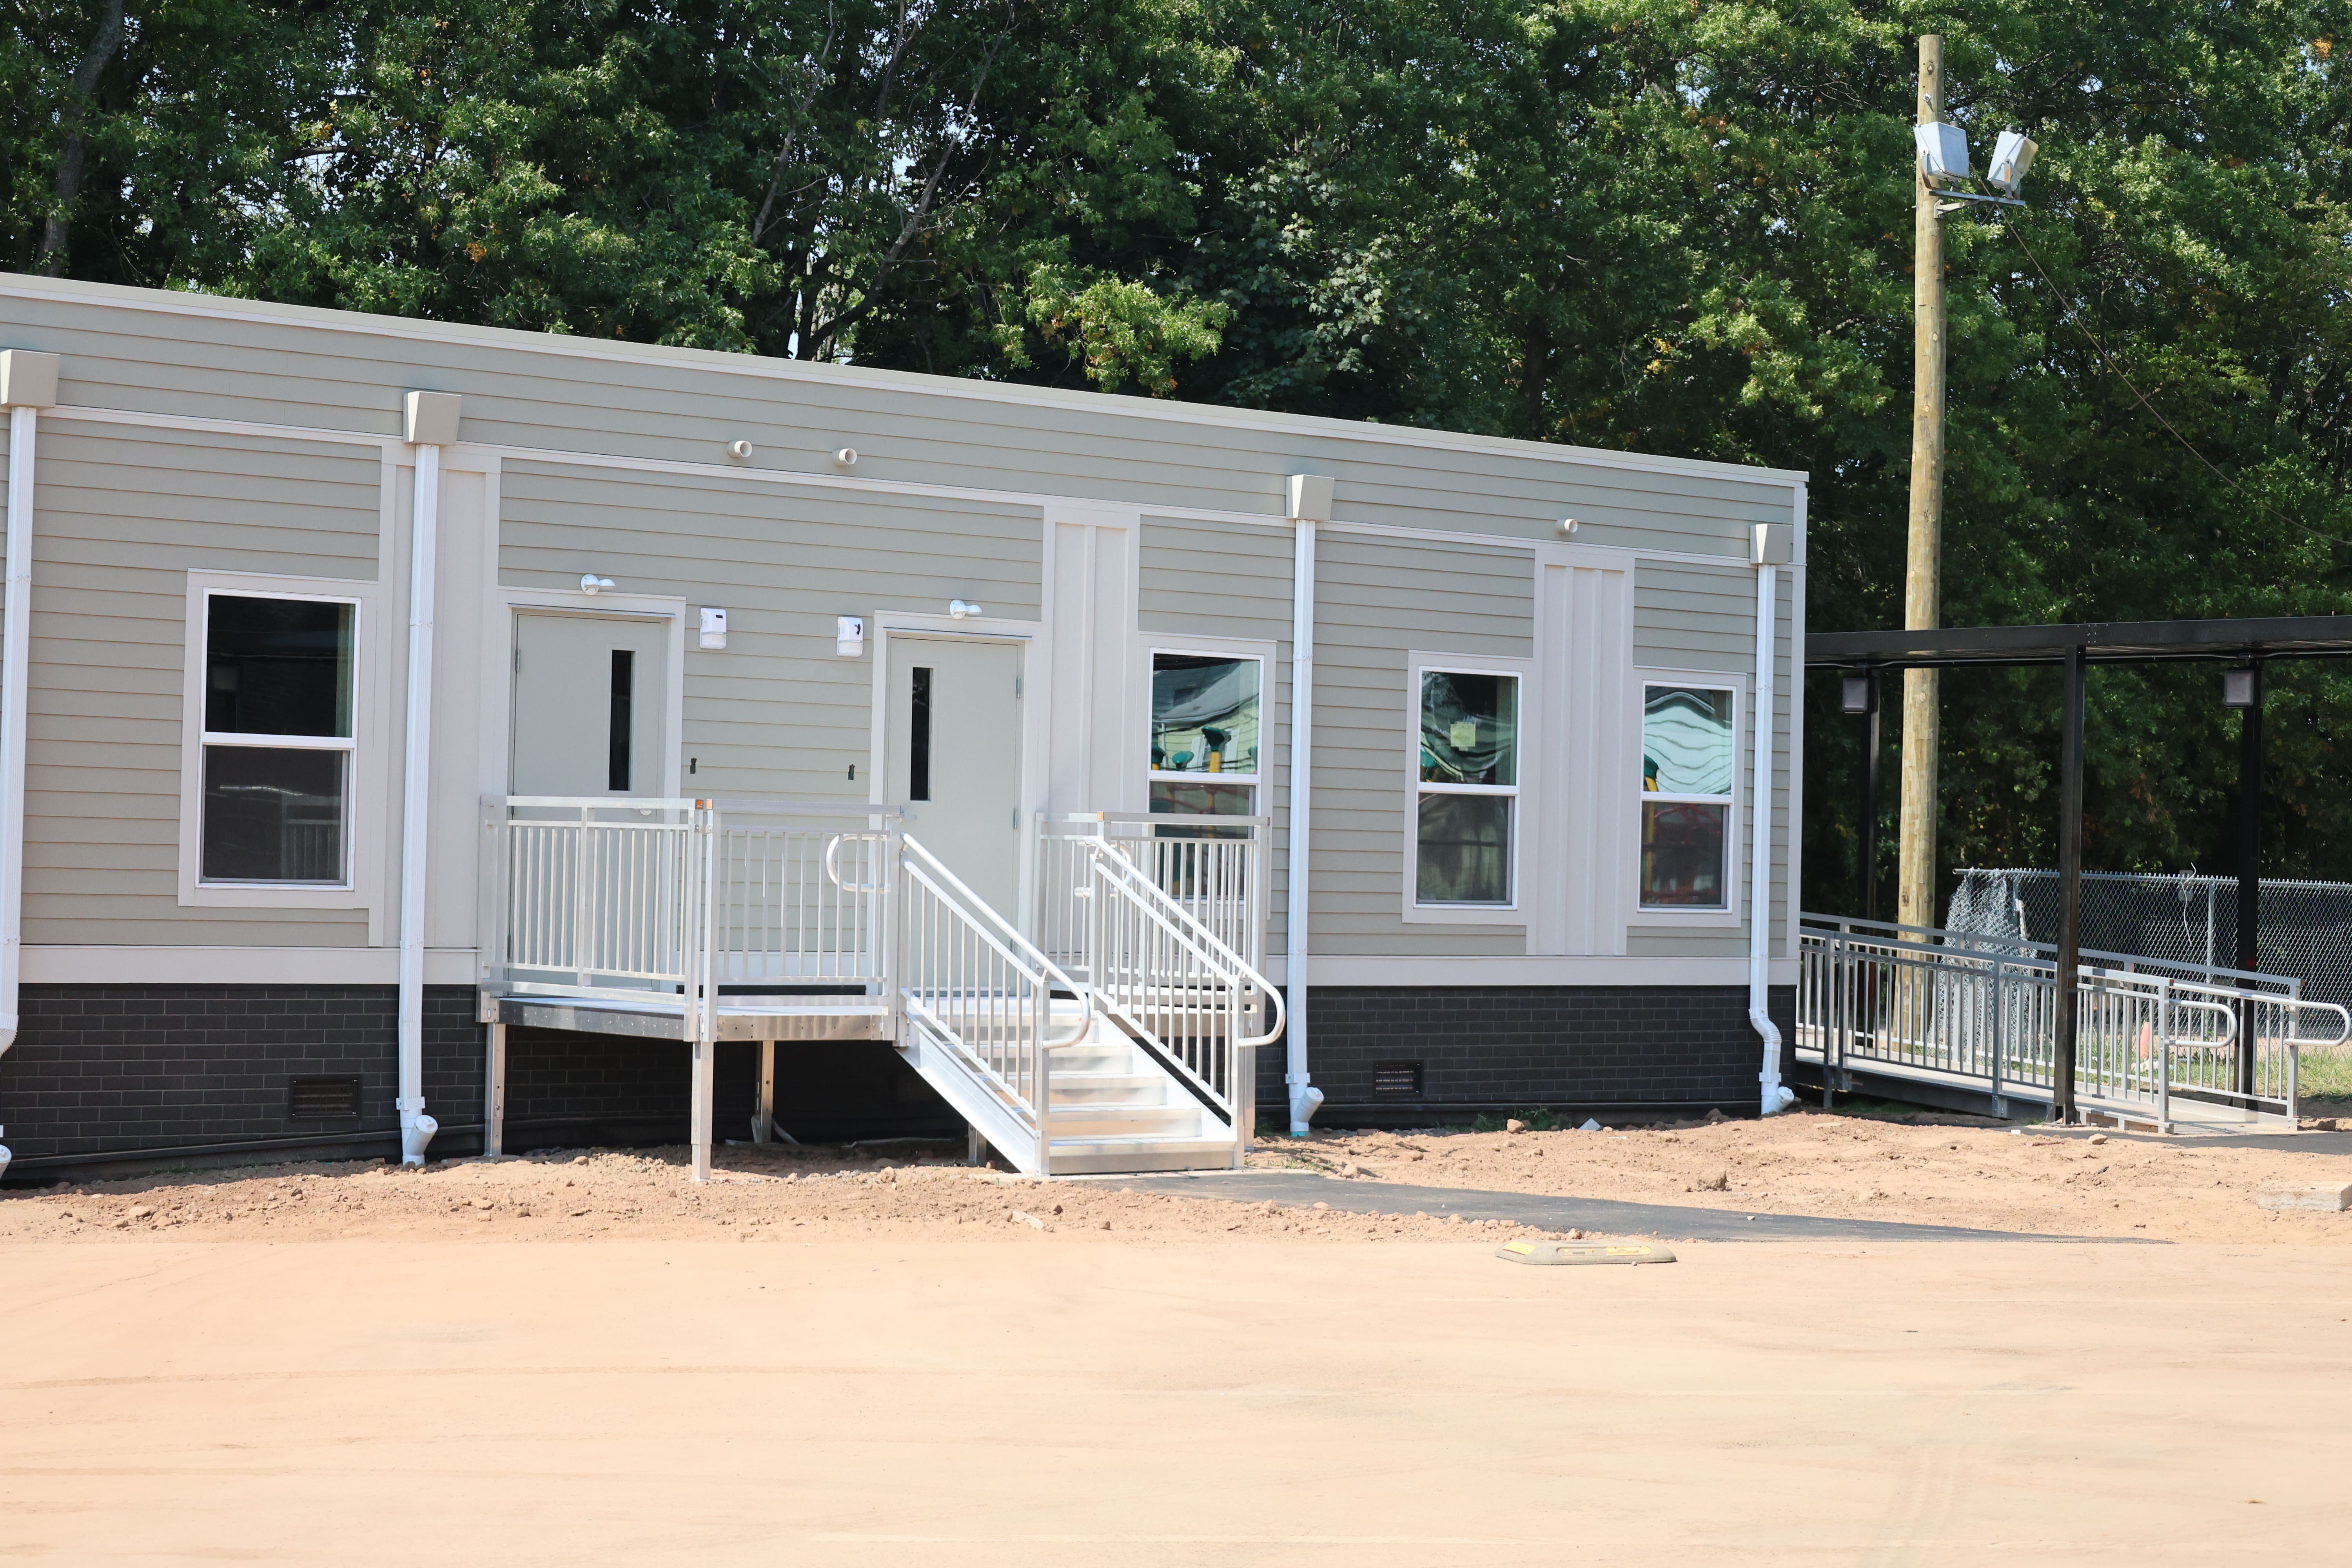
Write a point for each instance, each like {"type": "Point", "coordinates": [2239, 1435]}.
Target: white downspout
{"type": "Point", "coordinates": [430, 424]}
{"type": "Point", "coordinates": [1310, 503]}
{"type": "Point", "coordinates": [29, 382]}
{"type": "Point", "coordinates": [1770, 547]}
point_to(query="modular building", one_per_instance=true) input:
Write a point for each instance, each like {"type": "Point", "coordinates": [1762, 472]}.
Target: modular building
{"type": "Point", "coordinates": [425, 737]}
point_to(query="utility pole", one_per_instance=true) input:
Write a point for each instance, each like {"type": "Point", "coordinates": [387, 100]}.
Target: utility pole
{"type": "Point", "coordinates": [1923, 605]}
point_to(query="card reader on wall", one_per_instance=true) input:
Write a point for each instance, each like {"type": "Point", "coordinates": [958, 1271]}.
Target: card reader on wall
{"type": "Point", "coordinates": [714, 628]}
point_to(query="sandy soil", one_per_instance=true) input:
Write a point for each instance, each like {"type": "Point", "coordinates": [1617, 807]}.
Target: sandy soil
{"type": "Point", "coordinates": [904, 1403]}
{"type": "Point", "coordinates": [1934, 1170]}
{"type": "Point", "coordinates": [757, 1195]}
{"type": "Point", "coordinates": [1939, 1172]}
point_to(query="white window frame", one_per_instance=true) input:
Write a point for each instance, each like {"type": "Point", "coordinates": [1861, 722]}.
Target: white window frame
{"type": "Point", "coordinates": [1212, 648]}
{"type": "Point", "coordinates": [1681, 916]}
{"type": "Point", "coordinates": [363, 800]}
{"type": "Point", "coordinates": [1512, 913]}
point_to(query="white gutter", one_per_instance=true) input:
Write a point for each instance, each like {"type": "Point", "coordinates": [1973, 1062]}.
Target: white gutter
{"type": "Point", "coordinates": [431, 423]}
{"type": "Point", "coordinates": [1310, 503]}
{"type": "Point", "coordinates": [1770, 548]}
{"type": "Point", "coordinates": [28, 383]}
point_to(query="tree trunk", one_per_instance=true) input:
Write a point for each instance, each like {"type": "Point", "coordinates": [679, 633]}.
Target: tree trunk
{"type": "Point", "coordinates": [73, 153]}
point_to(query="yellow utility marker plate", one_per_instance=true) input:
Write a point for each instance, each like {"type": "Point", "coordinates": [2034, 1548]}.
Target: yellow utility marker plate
{"type": "Point", "coordinates": [1562, 1253]}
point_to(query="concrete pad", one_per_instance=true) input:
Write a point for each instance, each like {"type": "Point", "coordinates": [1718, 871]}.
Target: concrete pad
{"type": "Point", "coordinates": [2332, 1197]}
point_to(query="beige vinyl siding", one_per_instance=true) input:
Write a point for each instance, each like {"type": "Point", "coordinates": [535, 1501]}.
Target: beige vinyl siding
{"type": "Point", "coordinates": [1703, 618]}
{"type": "Point", "coordinates": [1234, 580]}
{"type": "Point", "coordinates": [1377, 601]}
{"type": "Point", "coordinates": [277, 364]}
{"type": "Point", "coordinates": [776, 714]}
{"type": "Point", "coordinates": [123, 515]}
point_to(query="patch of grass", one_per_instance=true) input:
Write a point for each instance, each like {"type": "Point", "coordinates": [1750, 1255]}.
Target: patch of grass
{"type": "Point", "coordinates": [2324, 1075]}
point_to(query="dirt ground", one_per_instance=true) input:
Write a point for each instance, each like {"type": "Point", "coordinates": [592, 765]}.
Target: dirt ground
{"type": "Point", "coordinates": [1008, 1397]}
{"type": "Point", "coordinates": [884, 1357]}
{"type": "Point", "coordinates": [1946, 1171]}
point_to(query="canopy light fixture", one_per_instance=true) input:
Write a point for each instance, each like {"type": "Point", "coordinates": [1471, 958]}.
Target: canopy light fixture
{"type": "Point", "coordinates": [1859, 694]}
{"type": "Point", "coordinates": [2238, 689]}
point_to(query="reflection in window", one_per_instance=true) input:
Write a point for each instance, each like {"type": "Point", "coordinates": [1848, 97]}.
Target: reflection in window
{"type": "Point", "coordinates": [1205, 734]}
{"type": "Point", "coordinates": [278, 738]}
{"type": "Point", "coordinates": [1468, 787]}
{"type": "Point", "coordinates": [1688, 734]}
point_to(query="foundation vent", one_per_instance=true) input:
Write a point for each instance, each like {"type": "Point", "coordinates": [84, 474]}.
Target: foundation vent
{"type": "Point", "coordinates": [322, 1100]}
{"type": "Point", "coordinates": [1397, 1080]}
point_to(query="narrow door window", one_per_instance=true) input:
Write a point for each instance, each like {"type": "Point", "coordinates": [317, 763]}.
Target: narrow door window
{"type": "Point", "coordinates": [1687, 735]}
{"type": "Point", "coordinates": [278, 739]}
{"type": "Point", "coordinates": [919, 736]}
{"type": "Point", "coordinates": [1469, 787]}
{"type": "Point", "coordinates": [625, 691]}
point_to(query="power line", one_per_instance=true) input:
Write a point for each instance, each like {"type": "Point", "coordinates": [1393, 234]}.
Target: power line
{"type": "Point", "coordinates": [2074, 314]}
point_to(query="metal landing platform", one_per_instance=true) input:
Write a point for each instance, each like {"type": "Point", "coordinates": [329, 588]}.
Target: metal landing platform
{"type": "Point", "coordinates": [789, 1016]}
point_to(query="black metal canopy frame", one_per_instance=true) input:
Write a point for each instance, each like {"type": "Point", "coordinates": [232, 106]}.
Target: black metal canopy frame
{"type": "Point", "coordinates": [2246, 645]}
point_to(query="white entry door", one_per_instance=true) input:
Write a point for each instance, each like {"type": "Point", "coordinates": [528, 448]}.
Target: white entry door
{"type": "Point", "coordinates": [591, 695]}
{"type": "Point", "coordinates": [954, 739]}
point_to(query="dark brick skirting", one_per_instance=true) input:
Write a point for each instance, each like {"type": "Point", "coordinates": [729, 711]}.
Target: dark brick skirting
{"type": "Point", "coordinates": [125, 1073]}
{"type": "Point", "coordinates": [127, 1069]}
{"type": "Point", "coordinates": [1495, 1048]}
{"type": "Point", "coordinates": [164, 1072]}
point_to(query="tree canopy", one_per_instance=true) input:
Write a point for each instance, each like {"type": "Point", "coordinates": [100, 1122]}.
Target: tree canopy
{"type": "Point", "coordinates": [1672, 226]}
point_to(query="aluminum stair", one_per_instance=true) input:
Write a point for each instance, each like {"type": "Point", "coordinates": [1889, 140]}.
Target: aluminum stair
{"type": "Point", "coordinates": [1113, 1109]}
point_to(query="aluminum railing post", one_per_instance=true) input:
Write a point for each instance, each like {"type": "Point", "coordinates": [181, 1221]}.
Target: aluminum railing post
{"type": "Point", "coordinates": [2000, 1032]}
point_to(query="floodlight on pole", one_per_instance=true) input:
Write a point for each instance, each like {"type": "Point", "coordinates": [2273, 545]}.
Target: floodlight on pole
{"type": "Point", "coordinates": [2012, 156]}
{"type": "Point", "coordinates": [1943, 153]}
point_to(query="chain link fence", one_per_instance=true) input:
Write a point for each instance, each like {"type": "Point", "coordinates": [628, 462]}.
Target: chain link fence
{"type": "Point", "coordinates": [2187, 921]}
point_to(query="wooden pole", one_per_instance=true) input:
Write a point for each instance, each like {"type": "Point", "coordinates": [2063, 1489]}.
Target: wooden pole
{"type": "Point", "coordinates": [1923, 605]}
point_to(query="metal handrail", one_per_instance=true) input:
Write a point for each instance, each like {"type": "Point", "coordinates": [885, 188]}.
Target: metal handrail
{"type": "Point", "coordinates": [1872, 995]}
{"type": "Point", "coordinates": [1239, 970]}
{"type": "Point", "coordinates": [1006, 939]}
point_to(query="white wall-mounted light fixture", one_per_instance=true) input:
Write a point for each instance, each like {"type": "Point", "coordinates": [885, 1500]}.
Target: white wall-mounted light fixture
{"type": "Point", "coordinates": [849, 635]}
{"type": "Point", "coordinates": [1567, 526]}
{"type": "Point", "coordinates": [714, 626]}
{"type": "Point", "coordinates": [845, 456]}
{"type": "Point", "coordinates": [740, 449]}
{"type": "Point", "coordinates": [2238, 689]}
{"type": "Point", "coordinates": [959, 609]}
{"type": "Point", "coordinates": [592, 584]}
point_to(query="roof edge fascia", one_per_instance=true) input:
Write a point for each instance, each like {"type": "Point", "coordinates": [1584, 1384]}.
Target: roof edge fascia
{"type": "Point", "coordinates": [169, 302]}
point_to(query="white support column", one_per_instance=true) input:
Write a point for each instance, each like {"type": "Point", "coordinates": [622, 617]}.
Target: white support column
{"type": "Point", "coordinates": [705, 1084]}
{"type": "Point", "coordinates": [763, 1114]}
{"type": "Point", "coordinates": [430, 423]}
{"type": "Point", "coordinates": [494, 1094]}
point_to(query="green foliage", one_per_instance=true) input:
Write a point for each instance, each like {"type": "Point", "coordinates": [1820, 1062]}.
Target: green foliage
{"type": "Point", "coordinates": [1672, 226]}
